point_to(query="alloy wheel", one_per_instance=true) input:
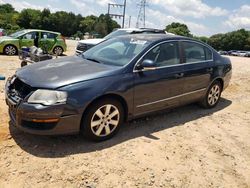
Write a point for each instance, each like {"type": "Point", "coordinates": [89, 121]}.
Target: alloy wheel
{"type": "Point", "coordinates": [214, 95]}
{"type": "Point", "coordinates": [105, 120]}
{"type": "Point", "coordinates": [10, 50]}
{"type": "Point", "coordinates": [58, 50]}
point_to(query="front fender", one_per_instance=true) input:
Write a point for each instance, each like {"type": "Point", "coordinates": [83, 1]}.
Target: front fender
{"type": "Point", "coordinates": [80, 95]}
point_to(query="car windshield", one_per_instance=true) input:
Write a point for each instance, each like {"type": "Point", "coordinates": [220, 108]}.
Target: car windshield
{"type": "Point", "coordinates": [17, 34]}
{"type": "Point", "coordinates": [117, 33]}
{"type": "Point", "coordinates": [117, 52]}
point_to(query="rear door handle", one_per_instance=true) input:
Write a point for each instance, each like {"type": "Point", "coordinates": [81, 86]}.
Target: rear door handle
{"type": "Point", "coordinates": [179, 75]}
{"type": "Point", "coordinates": [210, 70]}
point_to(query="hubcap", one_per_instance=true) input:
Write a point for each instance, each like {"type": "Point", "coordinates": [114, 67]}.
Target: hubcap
{"type": "Point", "coordinates": [58, 50]}
{"type": "Point", "coordinates": [10, 50]}
{"type": "Point", "coordinates": [105, 120]}
{"type": "Point", "coordinates": [214, 95]}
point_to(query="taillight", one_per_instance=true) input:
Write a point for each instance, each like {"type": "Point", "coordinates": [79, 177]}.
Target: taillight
{"type": "Point", "coordinates": [63, 38]}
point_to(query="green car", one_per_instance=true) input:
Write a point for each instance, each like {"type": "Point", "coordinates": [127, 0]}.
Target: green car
{"type": "Point", "coordinates": [53, 42]}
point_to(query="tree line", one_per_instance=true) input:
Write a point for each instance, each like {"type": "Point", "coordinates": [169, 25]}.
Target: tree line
{"type": "Point", "coordinates": [67, 23]}
{"type": "Point", "coordinates": [236, 40]}
{"type": "Point", "coordinates": [70, 24]}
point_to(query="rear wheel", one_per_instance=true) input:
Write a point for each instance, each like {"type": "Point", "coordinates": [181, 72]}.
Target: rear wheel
{"type": "Point", "coordinates": [58, 50]}
{"type": "Point", "coordinates": [213, 95]}
{"type": "Point", "coordinates": [102, 120]}
{"type": "Point", "coordinates": [10, 50]}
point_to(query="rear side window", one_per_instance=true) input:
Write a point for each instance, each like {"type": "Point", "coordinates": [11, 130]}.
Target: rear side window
{"type": "Point", "coordinates": [49, 35]}
{"type": "Point", "coordinates": [195, 52]}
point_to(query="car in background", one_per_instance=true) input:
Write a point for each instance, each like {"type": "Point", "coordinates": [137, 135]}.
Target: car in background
{"type": "Point", "coordinates": [247, 54]}
{"type": "Point", "coordinates": [241, 53]}
{"type": "Point", "coordinates": [53, 42]}
{"type": "Point", "coordinates": [120, 79]}
{"type": "Point", "coordinates": [86, 44]}
{"type": "Point", "coordinates": [2, 32]}
{"type": "Point", "coordinates": [232, 52]}
{"type": "Point", "coordinates": [223, 52]}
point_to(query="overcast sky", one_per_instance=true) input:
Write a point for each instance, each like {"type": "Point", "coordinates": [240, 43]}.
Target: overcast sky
{"type": "Point", "coordinates": [203, 17]}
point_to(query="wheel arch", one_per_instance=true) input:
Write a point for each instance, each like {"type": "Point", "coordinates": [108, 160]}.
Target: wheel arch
{"type": "Point", "coordinates": [219, 79]}
{"type": "Point", "coordinates": [110, 96]}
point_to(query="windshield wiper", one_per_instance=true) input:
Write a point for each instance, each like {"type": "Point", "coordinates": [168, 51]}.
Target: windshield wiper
{"type": "Point", "coordinates": [91, 59]}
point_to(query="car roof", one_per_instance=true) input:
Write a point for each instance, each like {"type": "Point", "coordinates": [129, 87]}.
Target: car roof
{"type": "Point", "coordinates": [39, 30]}
{"type": "Point", "coordinates": [155, 37]}
{"type": "Point", "coordinates": [139, 29]}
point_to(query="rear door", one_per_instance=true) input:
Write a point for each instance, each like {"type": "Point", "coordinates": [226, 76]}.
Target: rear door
{"type": "Point", "coordinates": [197, 68]}
{"type": "Point", "coordinates": [48, 40]}
{"type": "Point", "coordinates": [161, 87]}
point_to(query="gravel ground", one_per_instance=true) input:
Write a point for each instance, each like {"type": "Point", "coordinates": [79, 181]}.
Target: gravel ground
{"type": "Point", "coordinates": [184, 147]}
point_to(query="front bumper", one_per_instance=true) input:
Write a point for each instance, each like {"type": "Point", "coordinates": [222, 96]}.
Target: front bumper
{"type": "Point", "coordinates": [40, 119]}
{"type": "Point", "coordinates": [29, 118]}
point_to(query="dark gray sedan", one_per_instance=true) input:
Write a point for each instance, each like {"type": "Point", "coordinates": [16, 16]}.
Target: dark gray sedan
{"type": "Point", "coordinates": [115, 81]}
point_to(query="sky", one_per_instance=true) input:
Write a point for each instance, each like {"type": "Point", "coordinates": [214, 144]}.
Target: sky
{"type": "Point", "coordinates": [203, 17]}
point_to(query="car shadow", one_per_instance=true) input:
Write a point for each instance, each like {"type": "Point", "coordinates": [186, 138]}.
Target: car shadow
{"type": "Point", "coordinates": [61, 146]}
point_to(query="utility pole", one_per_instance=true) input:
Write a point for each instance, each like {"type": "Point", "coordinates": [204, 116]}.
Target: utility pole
{"type": "Point", "coordinates": [142, 14]}
{"type": "Point", "coordinates": [118, 15]}
{"type": "Point", "coordinates": [129, 22]}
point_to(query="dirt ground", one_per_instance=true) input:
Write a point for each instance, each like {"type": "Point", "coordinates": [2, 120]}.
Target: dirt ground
{"type": "Point", "coordinates": [184, 147]}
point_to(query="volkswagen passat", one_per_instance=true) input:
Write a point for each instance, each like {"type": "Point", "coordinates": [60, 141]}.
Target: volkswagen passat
{"type": "Point", "coordinates": [115, 81]}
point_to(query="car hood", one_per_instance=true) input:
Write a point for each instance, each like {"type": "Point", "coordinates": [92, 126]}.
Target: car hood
{"type": "Point", "coordinates": [59, 72]}
{"type": "Point", "coordinates": [91, 41]}
{"type": "Point", "coordinates": [3, 38]}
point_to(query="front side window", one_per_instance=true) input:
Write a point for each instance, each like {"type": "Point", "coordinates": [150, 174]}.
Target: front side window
{"type": "Point", "coordinates": [31, 35]}
{"type": "Point", "coordinates": [195, 52]}
{"type": "Point", "coordinates": [165, 54]}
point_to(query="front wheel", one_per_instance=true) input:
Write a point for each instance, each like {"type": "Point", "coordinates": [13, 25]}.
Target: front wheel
{"type": "Point", "coordinates": [102, 120]}
{"type": "Point", "coordinates": [213, 95]}
{"type": "Point", "coordinates": [10, 50]}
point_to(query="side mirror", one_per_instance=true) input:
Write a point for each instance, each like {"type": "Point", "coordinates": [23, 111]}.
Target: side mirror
{"type": "Point", "coordinates": [147, 65]}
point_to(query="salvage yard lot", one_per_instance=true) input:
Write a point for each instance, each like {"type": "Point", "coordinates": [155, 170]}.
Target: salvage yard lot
{"type": "Point", "coordinates": [184, 147]}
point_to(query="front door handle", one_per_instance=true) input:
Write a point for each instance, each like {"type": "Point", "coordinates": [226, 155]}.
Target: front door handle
{"type": "Point", "coordinates": [179, 75]}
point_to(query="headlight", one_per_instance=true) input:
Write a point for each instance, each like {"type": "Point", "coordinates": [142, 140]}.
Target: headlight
{"type": "Point", "coordinates": [47, 97]}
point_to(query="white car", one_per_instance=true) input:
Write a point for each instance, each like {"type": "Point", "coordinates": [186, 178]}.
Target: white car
{"type": "Point", "coordinates": [86, 44]}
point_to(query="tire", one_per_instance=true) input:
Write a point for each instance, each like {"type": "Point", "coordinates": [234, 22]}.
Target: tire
{"type": "Point", "coordinates": [102, 119]}
{"type": "Point", "coordinates": [213, 95]}
{"type": "Point", "coordinates": [23, 63]}
{"type": "Point", "coordinates": [10, 50]}
{"type": "Point", "coordinates": [58, 50]}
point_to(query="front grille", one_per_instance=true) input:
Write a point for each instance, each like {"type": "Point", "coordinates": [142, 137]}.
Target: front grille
{"type": "Point", "coordinates": [83, 47]}
{"type": "Point", "coordinates": [18, 90]}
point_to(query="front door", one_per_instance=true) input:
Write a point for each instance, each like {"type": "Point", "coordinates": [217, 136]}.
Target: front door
{"type": "Point", "coordinates": [29, 39]}
{"type": "Point", "coordinates": [159, 88]}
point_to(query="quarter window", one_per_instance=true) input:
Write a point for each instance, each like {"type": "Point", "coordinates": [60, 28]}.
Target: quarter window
{"type": "Point", "coordinates": [165, 54]}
